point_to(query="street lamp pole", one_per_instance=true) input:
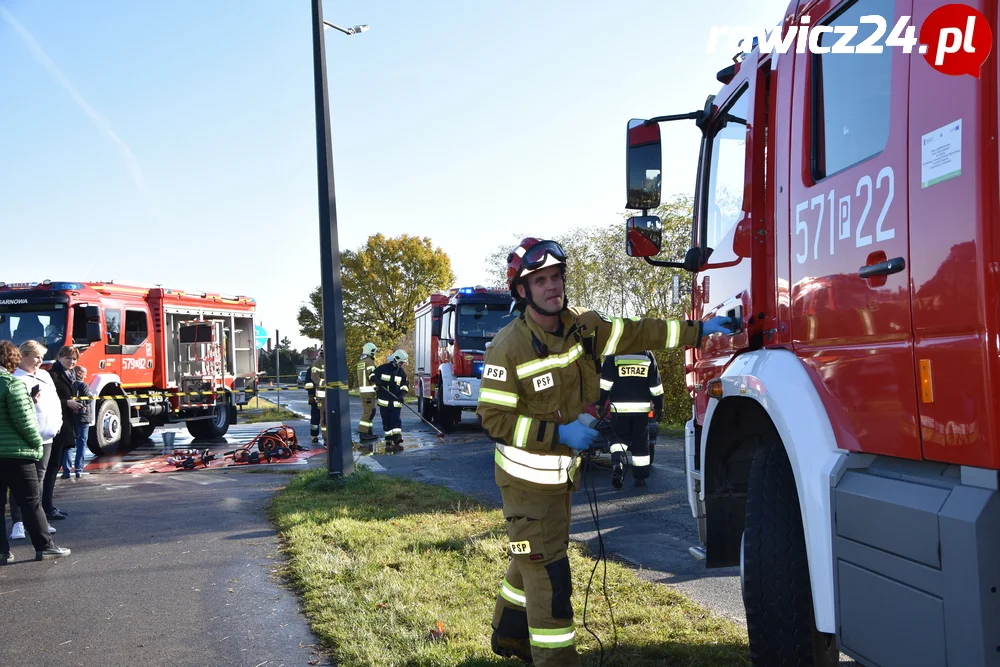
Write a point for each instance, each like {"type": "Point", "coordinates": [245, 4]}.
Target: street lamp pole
{"type": "Point", "coordinates": [340, 454]}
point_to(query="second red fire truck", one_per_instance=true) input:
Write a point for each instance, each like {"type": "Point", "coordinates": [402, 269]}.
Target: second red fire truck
{"type": "Point", "coordinates": [452, 331]}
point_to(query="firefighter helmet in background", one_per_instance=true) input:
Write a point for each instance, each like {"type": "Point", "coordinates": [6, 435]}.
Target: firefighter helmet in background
{"type": "Point", "coordinates": [369, 350]}
{"type": "Point", "coordinates": [530, 256]}
{"type": "Point", "coordinates": [400, 357]}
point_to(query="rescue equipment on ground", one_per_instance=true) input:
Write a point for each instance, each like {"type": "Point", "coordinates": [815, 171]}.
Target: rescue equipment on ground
{"type": "Point", "coordinates": [190, 458]}
{"type": "Point", "coordinates": [276, 442]}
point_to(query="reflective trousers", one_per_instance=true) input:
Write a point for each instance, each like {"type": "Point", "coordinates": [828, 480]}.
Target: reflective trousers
{"type": "Point", "coordinates": [321, 408]}
{"type": "Point", "coordinates": [629, 435]}
{"type": "Point", "coordinates": [392, 423]}
{"type": "Point", "coordinates": [366, 426]}
{"type": "Point", "coordinates": [534, 602]}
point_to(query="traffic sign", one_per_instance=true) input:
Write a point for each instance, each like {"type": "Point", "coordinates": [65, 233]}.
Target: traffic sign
{"type": "Point", "coordinates": [260, 337]}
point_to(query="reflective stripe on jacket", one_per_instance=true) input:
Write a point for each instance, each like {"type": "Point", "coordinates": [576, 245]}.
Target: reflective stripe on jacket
{"type": "Point", "coordinates": [366, 373]}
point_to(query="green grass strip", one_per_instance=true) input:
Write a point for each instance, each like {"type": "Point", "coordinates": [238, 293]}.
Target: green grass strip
{"type": "Point", "coordinates": [394, 572]}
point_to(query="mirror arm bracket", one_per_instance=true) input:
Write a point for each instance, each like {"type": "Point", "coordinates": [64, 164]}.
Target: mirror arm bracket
{"type": "Point", "coordinates": [691, 115]}
{"type": "Point", "coordinates": [669, 265]}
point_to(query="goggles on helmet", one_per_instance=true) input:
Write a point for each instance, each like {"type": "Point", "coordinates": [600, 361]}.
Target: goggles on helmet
{"type": "Point", "coordinates": [534, 257]}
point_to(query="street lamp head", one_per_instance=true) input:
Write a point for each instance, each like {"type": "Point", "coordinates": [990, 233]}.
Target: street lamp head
{"type": "Point", "coordinates": [347, 31]}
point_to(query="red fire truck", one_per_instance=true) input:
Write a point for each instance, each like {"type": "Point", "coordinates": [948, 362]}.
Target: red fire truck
{"type": "Point", "coordinates": [154, 356]}
{"type": "Point", "coordinates": [452, 330]}
{"type": "Point", "coordinates": [844, 444]}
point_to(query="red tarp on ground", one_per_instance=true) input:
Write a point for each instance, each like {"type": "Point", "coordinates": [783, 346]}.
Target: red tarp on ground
{"type": "Point", "coordinates": [159, 463]}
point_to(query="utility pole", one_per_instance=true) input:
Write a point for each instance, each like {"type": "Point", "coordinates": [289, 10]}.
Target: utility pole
{"type": "Point", "coordinates": [340, 446]}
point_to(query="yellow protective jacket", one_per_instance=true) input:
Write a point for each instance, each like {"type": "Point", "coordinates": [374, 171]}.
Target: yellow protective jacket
{"type": "Point", "coordinates": [534, 381]}
{"type": "Point", "coordinates": [366, 372]}
{"type": "Point", "coordinates": [318, 376]}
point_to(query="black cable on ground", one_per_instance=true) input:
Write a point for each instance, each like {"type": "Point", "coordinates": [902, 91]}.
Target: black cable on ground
{"type": "Point", "coordinates": [602, 558]}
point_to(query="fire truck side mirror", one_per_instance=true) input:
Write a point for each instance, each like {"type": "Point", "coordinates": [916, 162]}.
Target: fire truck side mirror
{"type": "Point", "coordinates": [436, 321]}
{"type": "Point", "coordinates": [643, 165]}
{"type": "Point", "coordinates": [643, 236]}
{"type": "Point", "coordinates": [743, 238]}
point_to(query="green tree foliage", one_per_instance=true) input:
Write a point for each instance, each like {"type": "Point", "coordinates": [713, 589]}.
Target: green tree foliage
{"type": "Point", "coordinates": [382, 283]}
{"type": "Point", "coordinates": [602, 276]}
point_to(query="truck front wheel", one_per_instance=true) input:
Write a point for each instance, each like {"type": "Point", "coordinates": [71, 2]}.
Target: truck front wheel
{"type": "Point", "coordinates": [217, 426]}
{"type": "Point", "coordinates": [774, 571]}
{"type": "Point", "coordinates": [111, 432]}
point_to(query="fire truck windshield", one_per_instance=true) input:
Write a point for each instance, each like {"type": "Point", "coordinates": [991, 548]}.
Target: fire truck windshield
{"type": "Point", "coordinates": [44, 322]}
{"type": "Point", "coordinates": [481, 320]}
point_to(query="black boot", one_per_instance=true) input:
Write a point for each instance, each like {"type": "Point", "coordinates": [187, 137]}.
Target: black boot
{"type": "Point", "coordinates": [511, 648]}
{"type": "Point", "coordinates": [617, 471]}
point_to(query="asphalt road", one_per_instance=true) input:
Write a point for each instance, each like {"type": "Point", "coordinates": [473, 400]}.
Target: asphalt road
{"type": "Point", "coordinates": [166, 569]}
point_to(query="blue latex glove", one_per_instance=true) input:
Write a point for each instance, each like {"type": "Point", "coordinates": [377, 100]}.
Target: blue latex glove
{"type": "Point", "coordinates": [576, 435]}
{"type": "Point", "coordinates": [719, 324]}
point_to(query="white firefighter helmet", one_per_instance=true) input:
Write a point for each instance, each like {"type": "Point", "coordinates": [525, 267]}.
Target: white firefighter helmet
{"type": "Point", "coordinates": [400, 357]}
{"type": "Point", "coordinates": [369, 350]}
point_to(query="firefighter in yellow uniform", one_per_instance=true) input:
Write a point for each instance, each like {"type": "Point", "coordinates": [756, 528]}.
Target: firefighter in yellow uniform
{"type": "Point", "coordinates": [541, 372]}
{"type": "Point", "coordinates": [317, 375]}
{"type": "Point", "coordinates": [366, 387]}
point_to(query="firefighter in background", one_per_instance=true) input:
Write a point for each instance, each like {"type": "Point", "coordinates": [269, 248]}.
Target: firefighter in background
{"type": "Point", "coordinates": [392, 387]}
{"type": "Point", "coordinates": [632, 384]}
{"type": "Point", "coordinates": [317, 398]}
{"type": "Point", "coordinates": [366, 387]}
{"type": "Point", "coordinates": [540, 373]}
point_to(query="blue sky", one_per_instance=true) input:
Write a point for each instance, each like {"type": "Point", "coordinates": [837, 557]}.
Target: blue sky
{"type": "Point", "coordinates": [173, 142]}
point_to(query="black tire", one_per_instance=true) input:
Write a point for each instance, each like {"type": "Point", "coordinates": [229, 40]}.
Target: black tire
{"type": "Point", "coordinates": [425, 406]}
{"type": "Point", "coordinates": [776, 590]}
{"type": "Point", "coordinates": [445, 414]}
{"type": "Point", "coordinates": [111, 433]}
{"type": "Point", "coordinates": [216, 427]}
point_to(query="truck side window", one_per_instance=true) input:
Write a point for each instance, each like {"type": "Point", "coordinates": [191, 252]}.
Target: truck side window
{"type": "Point", "coordinates": [136, 330]}
{"type": "Point", "coordinates": [851, 92]}
{"type": "Point", "coordinates": [113, 324]}
{"type": "Point", "coordinates": [726, 177]}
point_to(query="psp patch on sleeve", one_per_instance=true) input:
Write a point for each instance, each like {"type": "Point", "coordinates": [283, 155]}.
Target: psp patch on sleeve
{"type": "Point", "coordinates": [491, 372]}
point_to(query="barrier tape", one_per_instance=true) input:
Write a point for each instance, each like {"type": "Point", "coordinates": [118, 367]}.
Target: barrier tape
{"type": "Point", "coordinates": [165, 394]}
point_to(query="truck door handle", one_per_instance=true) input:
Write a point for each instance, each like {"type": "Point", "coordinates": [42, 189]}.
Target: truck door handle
{"type": "Point", "coordinates": [890, 266]}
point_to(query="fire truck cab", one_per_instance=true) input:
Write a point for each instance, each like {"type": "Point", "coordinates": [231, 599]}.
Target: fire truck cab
{"type": "Point", "coordinates": [452, 330]}
{"type": "Point", "coordinates": [844, 444]}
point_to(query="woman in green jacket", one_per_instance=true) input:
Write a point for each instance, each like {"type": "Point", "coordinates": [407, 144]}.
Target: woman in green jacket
{"type": "Point", "coordinates": [20, 448]}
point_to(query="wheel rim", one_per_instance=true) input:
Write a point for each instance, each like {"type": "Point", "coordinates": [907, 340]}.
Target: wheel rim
{"type": "Point", "coordinates": [219, 419]}
{"type": "Point", "coordinates": [110, 426]}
